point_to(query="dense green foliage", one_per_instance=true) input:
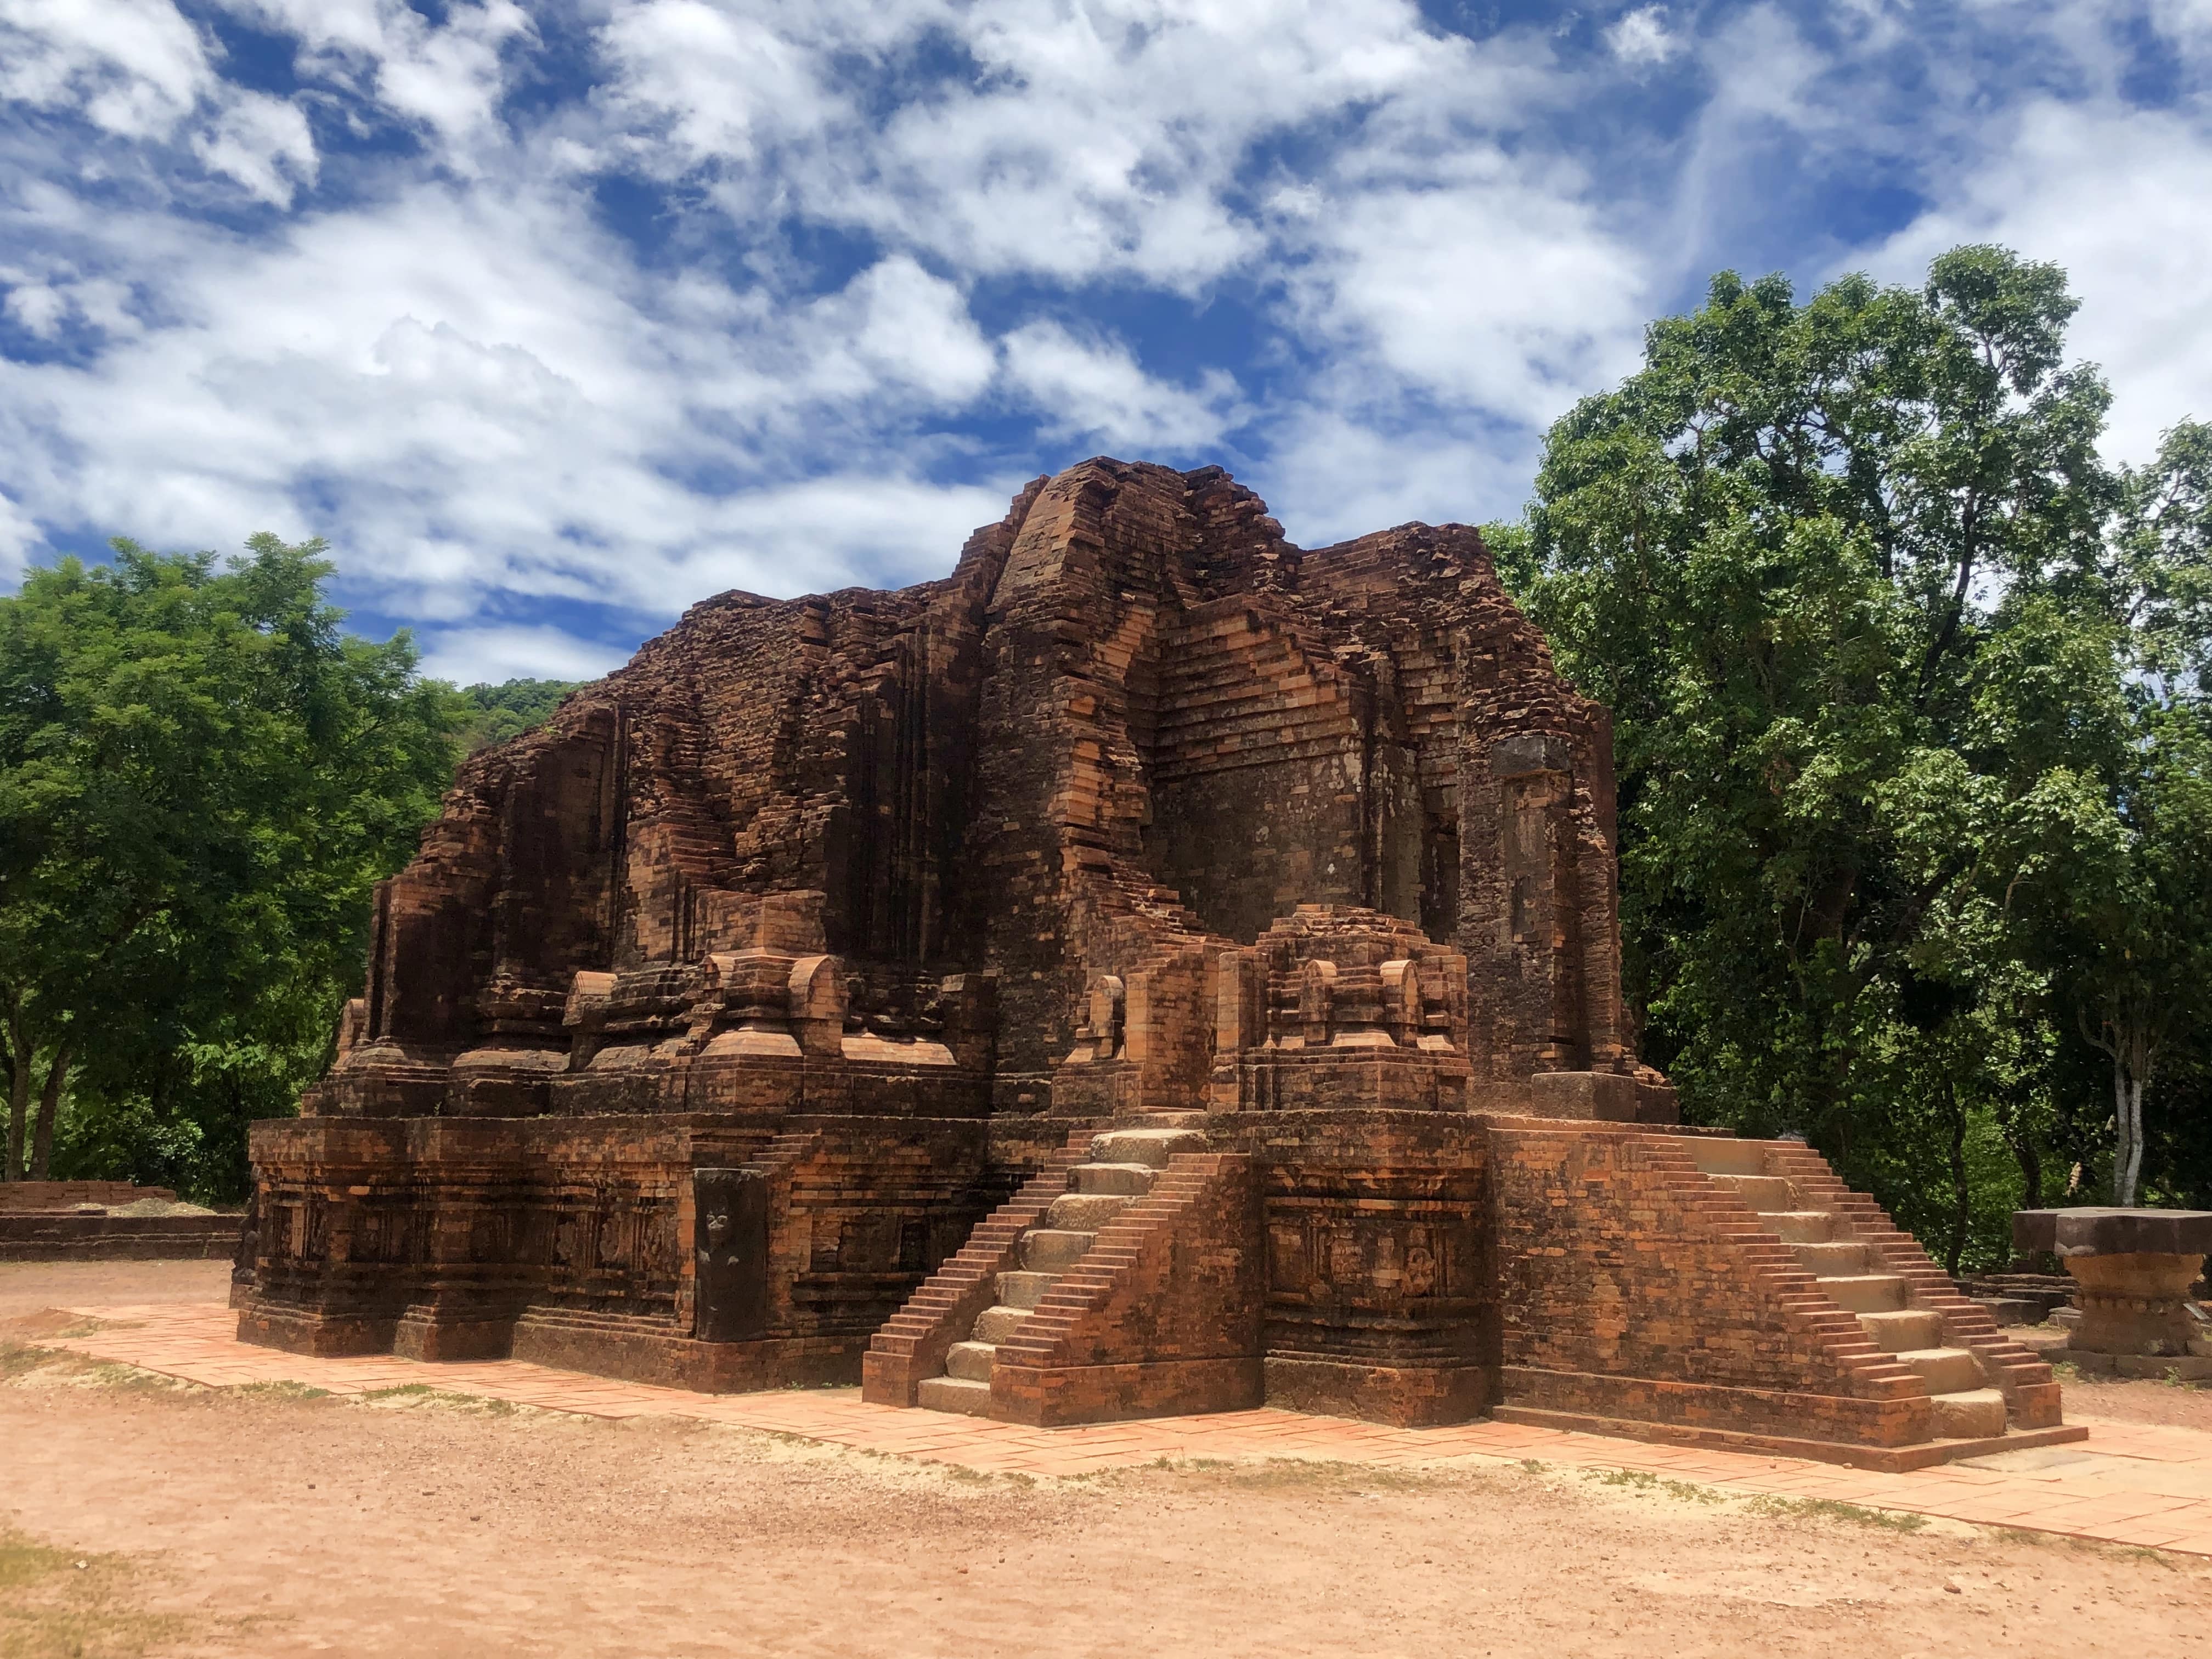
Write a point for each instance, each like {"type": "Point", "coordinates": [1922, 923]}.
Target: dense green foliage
{"type": "Point", "coordinates": [496, 712]}
{"type": "Point", "coordinates": [200, 776]}
{"type": "Point", "coordinates": [1916, 845]}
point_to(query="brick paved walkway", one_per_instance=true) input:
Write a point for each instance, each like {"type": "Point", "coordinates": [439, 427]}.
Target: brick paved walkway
{"type": "Point", "coordinates": [2127, 1484]}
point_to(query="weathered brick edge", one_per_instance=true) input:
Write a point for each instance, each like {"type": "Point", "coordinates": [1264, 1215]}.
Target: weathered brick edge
{"type": "Point", "coordinates": [1159, 1316]}
{"type": "Point", "coordinates": [911, 1346]}
{"type": "Point", "coordinates": [2030, 1392]}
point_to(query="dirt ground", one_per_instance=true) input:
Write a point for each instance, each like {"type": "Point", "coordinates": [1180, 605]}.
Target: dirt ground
{"type": "Point", "coordinates": [28, 1286]}
{"type": "Point", "coordinates": [256, 1523]}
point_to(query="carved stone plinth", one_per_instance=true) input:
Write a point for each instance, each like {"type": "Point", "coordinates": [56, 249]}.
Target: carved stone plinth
{"type": "Point", "coordinates": [2133, 1268]}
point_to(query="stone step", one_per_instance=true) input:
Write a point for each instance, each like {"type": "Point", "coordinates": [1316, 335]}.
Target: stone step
{"type": "Point", "coordinates": [1023, 1289]}
{"type": "Point", "coordinates": [1835, 1258]}
{"type": "Point", "coordinates": [970, 1361]}
{"type": "Point", "coordinates": [997, 1324]}
{"type": "Point", "coordinates": [1053, 1249]}
{"type": "Point", "coordinates": [1717, 1157]}
{"type": "Point", "coordinates": [1945, 1370]}
{"type": "Point", "coordinates": [1974, 1415]}
{"type": "Point", "coordinates": [1131, 1180]}
{"type": "Point", "coordinates": [1085, 1211]}
{"type": "Point", "coordinates": [1865, 1293]}
{"type": "Point", "coordinates": [1766, 1194]}
{"type": "Point", "coordinates": [1151, 1147]}
{"type": "Point", "coordinates": [1896, 1332]}
{"type": "Point", "coordinates": [954, 1393]}
{"type": "Point", "coordinates": [1801, 1226]}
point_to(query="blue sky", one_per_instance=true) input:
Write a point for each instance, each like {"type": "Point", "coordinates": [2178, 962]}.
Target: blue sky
{"type": "Point", "coordinates": [557, 319]}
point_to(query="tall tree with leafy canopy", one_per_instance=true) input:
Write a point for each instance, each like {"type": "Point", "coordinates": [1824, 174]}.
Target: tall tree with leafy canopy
{"type": "Point", "coordinates": [1835, 566]}
{"type": "Point", "coordinates": [2116, 857]}
{"type": "Point", "coordinates": [200, 776]}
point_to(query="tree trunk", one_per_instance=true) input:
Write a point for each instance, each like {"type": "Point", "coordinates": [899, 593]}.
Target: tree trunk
{"type": "Point", "coordinates": [50, 1101]}
{"type": "Point", "coordinates": [19, 1090]}
{"type": "Point", "coordinates": [2127, 1153]}
{"type": "Point", "coordinates": [1962, 1212]}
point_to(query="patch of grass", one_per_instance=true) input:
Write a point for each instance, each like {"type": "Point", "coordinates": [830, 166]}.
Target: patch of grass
{"type": "Point", "coordinates": [112, 1374]}
{"type": "Point", "coordinates": [55, 1603]}
{"type": "Point", "coordinates": [17, 1358]}
{"type": "Point", "coordinates": [422, 1394]}
{"type": "Point", "coordinates": [1643, 1480]}
{"type": "Point", "coordinates": [1827, 1508]}
{"type": "Point", "coordinates": [285, 1389]}
{"type": "Point", "coordinates": [1532, 1465]}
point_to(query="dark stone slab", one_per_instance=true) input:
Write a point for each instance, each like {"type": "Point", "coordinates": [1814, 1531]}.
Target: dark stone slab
{"type": "Point", "coordinates": [2094, 1230]}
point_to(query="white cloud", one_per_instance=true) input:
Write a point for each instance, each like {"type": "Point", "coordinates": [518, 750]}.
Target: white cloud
{"type": "Point", "coordinates": [1640, 37]}
{"type": "Point", "coordinates": [20, 538]}
{"type": "Point", "coordinates": [135, 68]}
{"type": "Point", "coordinates": [1340, 477]}
{"type": "Point", "coordinates": [897, 323]}
{"type": "Point", "coordinates": [1483, 287]}
{"type": "Point", "coordinates": [1092, 388]}
{"type": "Point", "coordinates": [39, 308]}
{"type": "Point", "coordinates": [264, 143]}
{"type": "Point", "coordinates": [447, 76]}
{"type": "Point", "coordinates": [457, 390]}
{"type": "Point", "coordinates": [1105, 138]}
{"type": "Point", "coordinates": [470, 656]}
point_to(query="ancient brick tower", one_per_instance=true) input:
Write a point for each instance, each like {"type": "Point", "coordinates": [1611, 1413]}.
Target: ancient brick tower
{"type": "Point", "coordinates": [1154, 968]}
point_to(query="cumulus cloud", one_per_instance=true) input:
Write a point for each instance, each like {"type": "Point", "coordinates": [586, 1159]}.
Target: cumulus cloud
{"type": "Point", "coordinates": [1640, 37]}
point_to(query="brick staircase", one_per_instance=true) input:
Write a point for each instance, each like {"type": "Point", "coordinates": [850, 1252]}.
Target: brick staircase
{"type": "Point", "coordinates": [1123, 1166]}
{"type": "Point", "coordinates": [911, 1345]}
{"type": "Point", "coordinates": [1979, 1384]}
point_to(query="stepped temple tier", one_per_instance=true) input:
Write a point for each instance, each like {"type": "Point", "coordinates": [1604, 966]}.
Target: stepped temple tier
{"type": "Point", "coordinates": [1155, 968]}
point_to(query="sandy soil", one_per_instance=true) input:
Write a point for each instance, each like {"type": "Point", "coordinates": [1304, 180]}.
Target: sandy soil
{"type": "Point", "coordinates": [237, 1522]}
{"type": "Point", "coordinates": [28, 1286]}
{"type": "Point", "coordinates": [2185, 1405]}
{"type": "Point", "coordinates": [220, 1522]}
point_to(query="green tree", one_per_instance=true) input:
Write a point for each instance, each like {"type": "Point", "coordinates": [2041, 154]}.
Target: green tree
{"type": "Point", "coordinates": [1840, 569]}
{"type": "Point", "coordinates": [2117, 861]}
{"type": "Point", "coordinates": [200, 776]}
{"type": "Point", "coordinates": [497, 712]}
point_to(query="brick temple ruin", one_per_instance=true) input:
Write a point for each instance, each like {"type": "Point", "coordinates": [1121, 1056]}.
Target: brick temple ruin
{"type": "Point", "coordinates": [1155, 968]}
